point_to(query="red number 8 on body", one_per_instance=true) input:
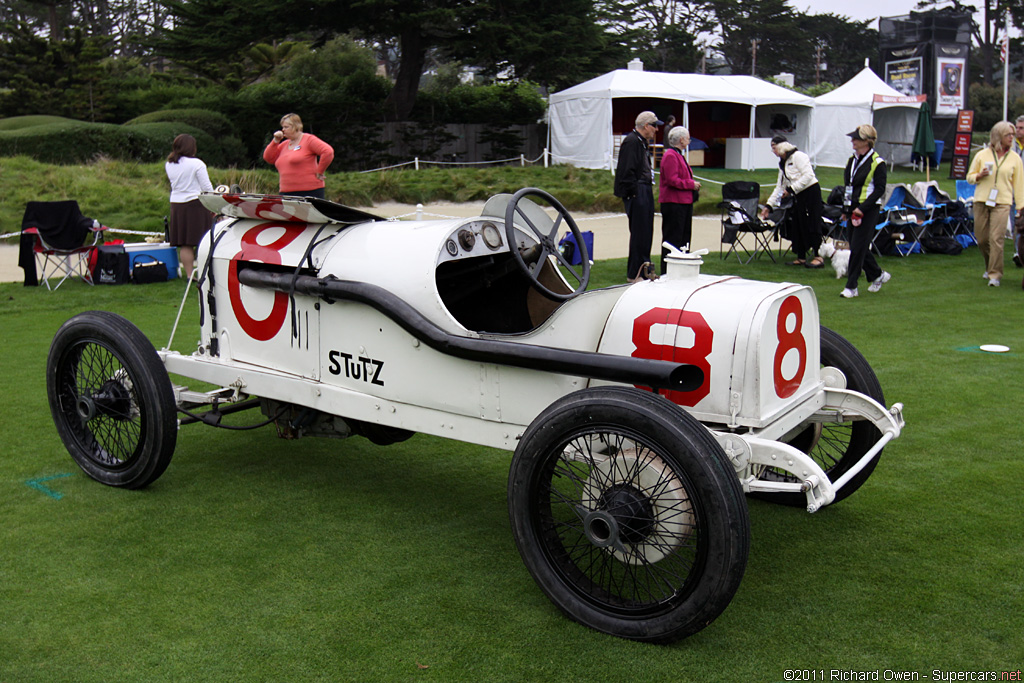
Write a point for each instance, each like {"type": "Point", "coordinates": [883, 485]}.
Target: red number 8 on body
{"type": "Point", "coordinates": [790, 339]}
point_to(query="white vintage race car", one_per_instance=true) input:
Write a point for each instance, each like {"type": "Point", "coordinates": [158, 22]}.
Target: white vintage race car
{"type": "Point", "coordinates": [639, 414]}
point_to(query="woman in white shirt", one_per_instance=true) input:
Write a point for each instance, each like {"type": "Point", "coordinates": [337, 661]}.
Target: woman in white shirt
{"type": "Point", "coordinates": [189, 218]}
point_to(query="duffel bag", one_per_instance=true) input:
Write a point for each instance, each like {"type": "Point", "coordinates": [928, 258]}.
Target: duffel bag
{"type": "Point", "coordinates": [940, 244]}
{"type": "Point", "coordinates": [153, 271]}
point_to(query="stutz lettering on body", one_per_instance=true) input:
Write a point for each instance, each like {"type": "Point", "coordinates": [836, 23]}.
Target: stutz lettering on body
{"type": "Point", "coordinates": [355, 367]}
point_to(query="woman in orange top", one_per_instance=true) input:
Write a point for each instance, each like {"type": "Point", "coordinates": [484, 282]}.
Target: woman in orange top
{"type": "Point", "coordinates": [301, 159]}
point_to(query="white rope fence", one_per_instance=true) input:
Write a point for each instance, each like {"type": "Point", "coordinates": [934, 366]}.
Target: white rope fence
{"type": "Point", "coordinates": [117, 231]}
{"type": "Point", "coordinates": [420, 214]}
{"type": "Point", "coordinates": [416, 162]}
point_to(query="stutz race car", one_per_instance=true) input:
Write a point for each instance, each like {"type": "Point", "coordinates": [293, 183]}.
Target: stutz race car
{"type": "Point", "coordinates": [640, 414]}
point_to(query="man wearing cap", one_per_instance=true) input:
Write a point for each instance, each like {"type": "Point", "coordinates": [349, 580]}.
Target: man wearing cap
{"type": "Point", "coordinates": [634, 180]}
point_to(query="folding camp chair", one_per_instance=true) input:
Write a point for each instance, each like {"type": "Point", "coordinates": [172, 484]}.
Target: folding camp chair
{"type": "Point", "coordinates": [742, 228]}
{"type": "Point", "coordinates": [55, 236]}
{"type": "Point", "coordinates": [943, 211]}
{"type": "Point", "coordinates": [831, 215]}
{"type": "Point", "coordinates": [904, 220]}
{"type": "Point", "coordinates": [961, 214]}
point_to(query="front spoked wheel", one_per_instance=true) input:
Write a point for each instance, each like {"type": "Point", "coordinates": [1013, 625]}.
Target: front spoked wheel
{"type": "Point", "coordinates": [111, 400]}
{"type": "Point", "coordinates": [628, 514]}
{"type": "Point", "coordinates": [836, 447]}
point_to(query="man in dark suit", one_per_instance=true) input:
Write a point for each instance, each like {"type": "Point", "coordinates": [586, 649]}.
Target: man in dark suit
{"type": "Point", "coordinates": [634, 180]}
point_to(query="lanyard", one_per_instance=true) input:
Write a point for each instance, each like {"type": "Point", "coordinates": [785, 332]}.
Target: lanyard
{"type": "Point", "coordinates": [857, 163]}
{"type": "Point", "coordinates": [999, 164]}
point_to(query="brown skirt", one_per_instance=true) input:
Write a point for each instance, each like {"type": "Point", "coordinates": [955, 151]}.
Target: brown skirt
{"type": "Point", "coordinates": [189, 222]}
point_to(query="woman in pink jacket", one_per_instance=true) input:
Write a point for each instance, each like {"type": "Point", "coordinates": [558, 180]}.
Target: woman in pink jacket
{"type": "Point", "coordinates": [301, 159]}
{"type": "Point", "coordinates": [676, 193]}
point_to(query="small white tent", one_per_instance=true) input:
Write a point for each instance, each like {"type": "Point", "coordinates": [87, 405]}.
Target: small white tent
{"type": "Point", "coordinates": [581, 118]}
{"type": "Point", "coordinates": [865, 98]}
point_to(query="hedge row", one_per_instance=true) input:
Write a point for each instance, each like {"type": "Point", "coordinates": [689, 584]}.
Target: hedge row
{"type": "Point", "coordinates": [74, 142]}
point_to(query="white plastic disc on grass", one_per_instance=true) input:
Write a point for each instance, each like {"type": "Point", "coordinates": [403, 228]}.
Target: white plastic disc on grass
{"type": "Point", "coordinates": [994, 348]}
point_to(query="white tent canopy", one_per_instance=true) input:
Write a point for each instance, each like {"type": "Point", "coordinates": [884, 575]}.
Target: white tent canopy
{"type": "Point", "coordinates": [580, 117]}
{"type": "Point", "coordinates": [865, 98]}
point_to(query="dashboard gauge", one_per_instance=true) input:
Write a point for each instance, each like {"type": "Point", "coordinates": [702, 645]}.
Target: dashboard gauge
{"type": "Point", "coordinates": [453, 249]}
{"type": "Point", "coordinates": [467, 239]}
{"type": "Point", "coordinates": [492, 238]}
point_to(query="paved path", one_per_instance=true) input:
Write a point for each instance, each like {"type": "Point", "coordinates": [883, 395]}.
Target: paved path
{"type": "Point", "coordinates": [611, 233]}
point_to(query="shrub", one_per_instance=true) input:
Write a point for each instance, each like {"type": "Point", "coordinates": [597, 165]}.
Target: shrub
{"type": "Point", "coordinates": [19, 122]}
{"type": "Point", "coordinates": [212, 122]}
{"type": "Point", "coordinates": [77, 142]}
{"type": "Point", "coordinates": [227, 145]}
{"type": "Point", "coordinates": [501, 104]}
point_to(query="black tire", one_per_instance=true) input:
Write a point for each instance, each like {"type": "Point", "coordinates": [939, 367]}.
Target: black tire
{"type": "Point", "coordinates": [647, 540]}
{"type": "Point", "coordinates": [836, 447]}
{"type": "Point", "coordinates": [111, 400]}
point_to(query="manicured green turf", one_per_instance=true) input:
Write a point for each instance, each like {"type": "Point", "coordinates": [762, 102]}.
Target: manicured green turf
{"type": "Point", "coordinates": [259, 559]}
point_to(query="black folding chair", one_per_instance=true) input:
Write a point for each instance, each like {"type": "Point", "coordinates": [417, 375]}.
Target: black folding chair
{"type": "Point", "coordinates": [742, 228]}
{"type": "Point", "coordinates": [832, 225]}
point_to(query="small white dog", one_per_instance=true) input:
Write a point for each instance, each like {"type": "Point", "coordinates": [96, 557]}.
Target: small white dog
{"type": "Point", "coordinates": [839, 252]}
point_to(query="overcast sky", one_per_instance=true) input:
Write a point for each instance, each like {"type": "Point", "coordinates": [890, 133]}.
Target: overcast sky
{"type": "Point", "coordinates": [857, 9]}
{"type": "Point", "coordinates": [865, 9]}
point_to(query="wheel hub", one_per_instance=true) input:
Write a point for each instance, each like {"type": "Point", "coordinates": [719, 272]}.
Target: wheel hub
{"type": "Point", "coordinates": [112, 399]}
{"type": "Point", "coordinates": [601, 528]}
{"type": "Point", "coordinates": [637, 507]}
{"type": "Point", "coordinates": [631, 510]}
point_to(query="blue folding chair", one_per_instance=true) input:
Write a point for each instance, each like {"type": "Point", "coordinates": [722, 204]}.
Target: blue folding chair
{"type": "Point", "coordinates": [964, 192]}
{"type": "Point", "coordinates": [905, 221]}
{"type": "Point", "coordinates": [961, 214]}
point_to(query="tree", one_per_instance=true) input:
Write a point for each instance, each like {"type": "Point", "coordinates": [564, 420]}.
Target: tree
{"type": "Point", "coordinates": [553, 44]}
{"type": "Point", "coordinates": [664, 33]}
{"type": "Point", "coordinates": [64, 77]}
{"type": "Point", "coordinates": [224, 29]}
{"type": "Point", "coordinates": [844, 44]}
{"type": "Point", "coordinates": [767, 31]}
{"type": "Point", "coordinates": [125, 23]}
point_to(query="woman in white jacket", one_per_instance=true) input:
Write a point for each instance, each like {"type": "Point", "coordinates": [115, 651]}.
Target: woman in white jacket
{"type": "Point", "coordinates": [796, 178]}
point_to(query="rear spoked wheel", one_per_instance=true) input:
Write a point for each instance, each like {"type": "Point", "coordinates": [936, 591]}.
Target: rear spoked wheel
{"type": "Point", "coordinates": [111, 400]}
{"type": "Point", "coordinates": [628, 514]}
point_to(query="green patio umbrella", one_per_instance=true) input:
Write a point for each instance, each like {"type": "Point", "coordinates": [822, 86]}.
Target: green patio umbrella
{"type": "Point", "coordinates": [924, 138]}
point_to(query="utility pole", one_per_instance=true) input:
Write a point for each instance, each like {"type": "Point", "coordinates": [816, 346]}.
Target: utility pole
{"type": "Point", "coordinates": [817, 64]}
{"type": "Point", "coordinates": [1005, 54]}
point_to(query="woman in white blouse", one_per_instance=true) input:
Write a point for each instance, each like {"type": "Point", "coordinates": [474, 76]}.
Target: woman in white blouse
{"type": "Point", "coordinates": [189, 218]}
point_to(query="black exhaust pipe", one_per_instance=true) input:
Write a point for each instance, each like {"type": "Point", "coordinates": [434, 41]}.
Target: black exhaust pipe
{"type": "Point", "coordinates": [658, 374]}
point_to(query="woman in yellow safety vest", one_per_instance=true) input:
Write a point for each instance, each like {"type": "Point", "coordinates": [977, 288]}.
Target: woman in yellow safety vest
{"type": "Point", "coordinates": [864, 180]}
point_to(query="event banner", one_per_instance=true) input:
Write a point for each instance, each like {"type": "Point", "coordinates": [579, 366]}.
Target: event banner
{"type": "Point", "coordinates": [961, 144]}
{"type": "Point", "coordinates": [906, 75]}
{"type": "Point", "coordinates": [950, 85]}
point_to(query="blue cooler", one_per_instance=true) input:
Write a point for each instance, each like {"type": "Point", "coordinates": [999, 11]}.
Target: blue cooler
{"type": "Point", "coordinates": [145, 253]}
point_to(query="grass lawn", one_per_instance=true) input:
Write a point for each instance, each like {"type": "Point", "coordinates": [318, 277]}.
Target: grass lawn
{"type": "Point", "coordinates": [259, 559]}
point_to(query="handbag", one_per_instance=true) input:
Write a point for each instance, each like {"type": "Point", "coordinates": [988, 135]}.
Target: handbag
{"type": "Point", "coordinates": [145, 273]}
{"type": "Point", "coordinates": [111, 265]}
